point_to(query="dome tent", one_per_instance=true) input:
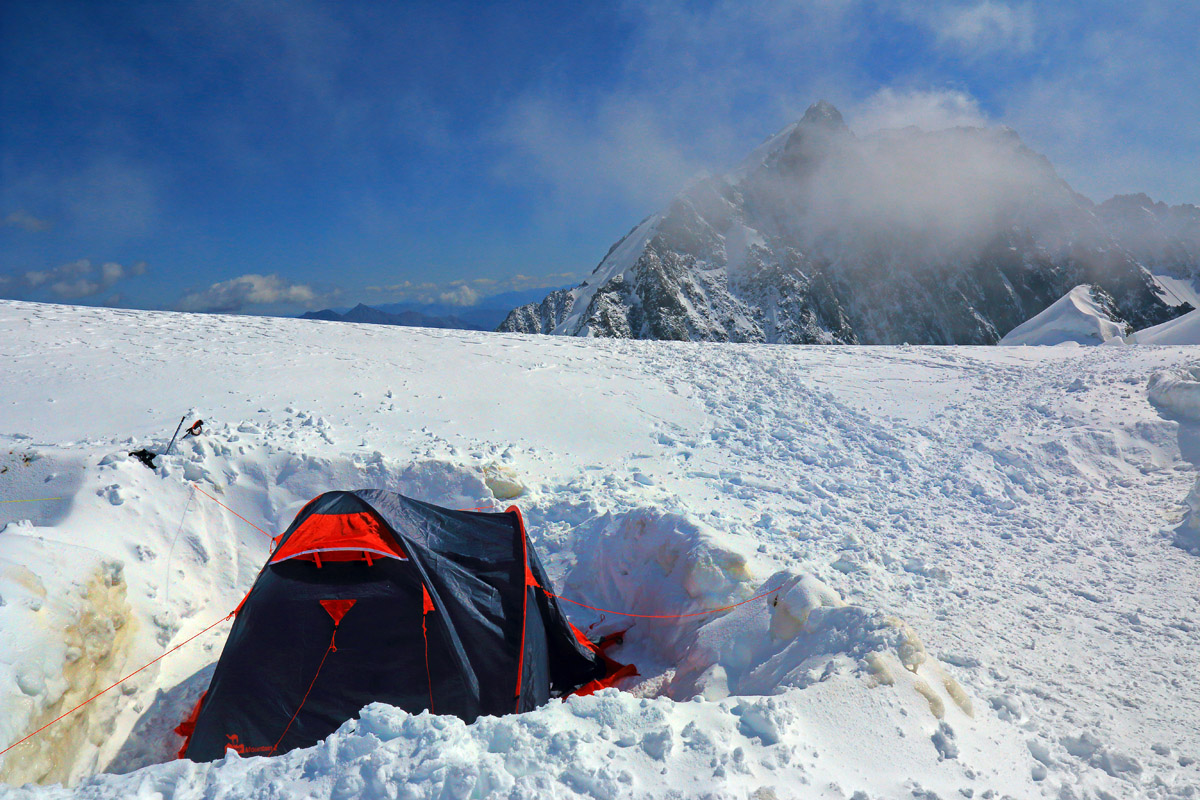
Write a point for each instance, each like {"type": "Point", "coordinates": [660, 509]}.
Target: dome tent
{"type": "Point", "coordinates": [370, 596]}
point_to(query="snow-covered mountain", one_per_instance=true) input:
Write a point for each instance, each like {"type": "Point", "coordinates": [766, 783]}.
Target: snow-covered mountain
{"type": "Point", "coordinates": [820, 236]}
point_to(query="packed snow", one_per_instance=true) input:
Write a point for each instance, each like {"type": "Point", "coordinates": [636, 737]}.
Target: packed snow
{"type": "Point", "coordinates": [974, 562]}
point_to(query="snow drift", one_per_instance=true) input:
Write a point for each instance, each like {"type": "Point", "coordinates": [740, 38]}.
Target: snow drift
{"type": "Point", "coordinates": [1085, 315]}
{"type": "Point", "coordinates": [1181, 330]}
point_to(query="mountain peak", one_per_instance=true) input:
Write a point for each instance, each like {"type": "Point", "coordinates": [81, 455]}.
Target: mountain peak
{"type": "Point", "coordinates": [823, 113]}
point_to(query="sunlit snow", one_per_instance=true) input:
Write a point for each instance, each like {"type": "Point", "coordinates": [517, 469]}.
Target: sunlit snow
{"type": "Point", "coordinates": [977, 559]}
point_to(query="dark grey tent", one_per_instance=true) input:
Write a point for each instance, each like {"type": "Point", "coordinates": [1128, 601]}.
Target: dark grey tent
{"type": "Point", "coordinates": [371, 596]}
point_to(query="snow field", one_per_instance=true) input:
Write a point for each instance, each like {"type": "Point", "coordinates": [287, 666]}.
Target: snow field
{"type": "Point", "coordinates": [1008, 515]}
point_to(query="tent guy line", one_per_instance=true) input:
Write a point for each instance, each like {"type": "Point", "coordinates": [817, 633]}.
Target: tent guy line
{"type": "Point", "coordinates": [231, 511]}
{"type": "Point", "coordinates": [66, 714]}
{"type": "Point", "coordinates": [666, 616]}
{"type": "Point", "coordinates": [231, 614]}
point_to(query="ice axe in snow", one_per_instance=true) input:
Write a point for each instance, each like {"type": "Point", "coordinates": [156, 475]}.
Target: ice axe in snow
{"type": "Point", "coordinates": [147, 457]}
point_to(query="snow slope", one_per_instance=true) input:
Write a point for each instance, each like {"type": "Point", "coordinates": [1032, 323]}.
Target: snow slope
{"type": "Point", "coordinates": [1181, 330]}
{"type": "Point", "coordinates": [973, 588]}
{"type": "Point", "coordinates": [1077, 317]}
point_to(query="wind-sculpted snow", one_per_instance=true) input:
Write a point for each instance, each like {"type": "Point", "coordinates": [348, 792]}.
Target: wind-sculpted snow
{"type": "Point", "coordinates": [968, 556]}
{"type": "Point", "coordinates": [1084, 315]}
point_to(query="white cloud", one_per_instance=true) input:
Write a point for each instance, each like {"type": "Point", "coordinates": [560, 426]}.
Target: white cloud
{"type": "Point", "coordinates": [28, 222]}
{"type": "Point", "coordinates": [986, 27]}
{"type": "Point", "coordinates": [77, 279]}
{"type": "Point", "coordinates": [929, 110]}
{"type": "Point", "coordinates": [461, 295]}
{"type": "Point", "coordinates": [469, 293]}
{"type": "Point", "coordinates": [249, 290]}
{"type": "Point", "coordinates": [404, 287]}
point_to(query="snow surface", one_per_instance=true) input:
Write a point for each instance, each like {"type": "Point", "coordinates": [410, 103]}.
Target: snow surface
{"type": "Point", "coordinates": [1075, 318]}
{"type": "Point", "coordinates": [974, 588]}
{"type": "Point", "coordinates": [1181, 330]}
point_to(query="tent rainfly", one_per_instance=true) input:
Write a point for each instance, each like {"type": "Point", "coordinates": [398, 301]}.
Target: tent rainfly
{"type": "Point", "coordinates": [370, 596]}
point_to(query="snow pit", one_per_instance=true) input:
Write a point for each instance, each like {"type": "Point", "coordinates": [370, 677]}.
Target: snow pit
{"type": "Point", "coordinates": [801, 633]}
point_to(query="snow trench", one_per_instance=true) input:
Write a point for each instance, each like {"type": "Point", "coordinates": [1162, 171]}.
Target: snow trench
{"type": "Point", "coordinates": [166, 561]}
{"type": "Point", "coordinates": [1176, 394]}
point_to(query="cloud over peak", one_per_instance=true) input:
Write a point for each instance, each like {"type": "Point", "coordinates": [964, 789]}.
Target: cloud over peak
{"type": "Point", "coordinates": [930, 110]}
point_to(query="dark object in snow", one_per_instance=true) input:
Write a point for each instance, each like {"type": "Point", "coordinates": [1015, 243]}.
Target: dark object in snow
{"type": "Point", "coordinates": [374, 597]}
{"type": "Point", "coordinates": [147, 457]}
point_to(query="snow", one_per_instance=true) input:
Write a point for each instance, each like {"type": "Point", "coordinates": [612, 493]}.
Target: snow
{"type": "Point", "coordinates": [761, 155]}
{"type": "Point", "coordinates": [1178, 290]}
{"type": "Point", "coordinates": [619, 260]}
{"type": "Point", "coordinates": [1181, 330]}
{"type": "Point", "coordinates": [974, 561]}
{"type": "Point", "coordinates": [1075, 318]}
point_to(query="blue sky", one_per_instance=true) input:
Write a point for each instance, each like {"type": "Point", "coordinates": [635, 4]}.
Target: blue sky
{"type": "Point", "coordinates": [271, 157]}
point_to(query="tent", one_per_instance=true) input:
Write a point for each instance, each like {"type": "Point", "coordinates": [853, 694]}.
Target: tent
{"type": "Point", "coordinates": [370, 596]}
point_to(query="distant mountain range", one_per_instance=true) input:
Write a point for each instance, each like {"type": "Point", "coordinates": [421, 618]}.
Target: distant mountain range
{"type": "Point", "coordinates": [375, 316]}
{"type": "Point", "coordinates": [821, 237]}
{"type": "Point", "coordinates": [484, 316]}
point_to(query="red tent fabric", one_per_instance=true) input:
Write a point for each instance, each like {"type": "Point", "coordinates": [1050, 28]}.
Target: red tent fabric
{"type": "Point", "coordinates": [340, 537]}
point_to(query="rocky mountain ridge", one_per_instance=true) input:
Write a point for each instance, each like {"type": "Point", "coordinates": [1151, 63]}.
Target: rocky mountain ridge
{"type": "Point", "coordinates": [822, 237]}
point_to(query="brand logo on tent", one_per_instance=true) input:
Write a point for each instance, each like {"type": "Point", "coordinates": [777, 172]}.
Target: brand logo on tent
{"type": "Point", "coordinates": [232, 743]}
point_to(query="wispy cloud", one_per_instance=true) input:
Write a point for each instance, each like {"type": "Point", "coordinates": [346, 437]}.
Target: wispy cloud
{"type": "Point", "coordinates": [468, 293]}
{"type": "Point", "coordinates": [694, 86]}
{"type": "Point", "coordinates": [74, 280]}
{"type": "Point", "coordinates": [985, 28]}
{"type": "Point", "coordinates": [243, 291]}
{"type": "Point", "coordinates": [27, 222]}
{"type": "Point", "coordinates": [931, 110]}
{"type": "Point", "coordinates": [1117, 112]}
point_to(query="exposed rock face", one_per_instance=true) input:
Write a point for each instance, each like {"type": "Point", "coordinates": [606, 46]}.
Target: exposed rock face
{"type": "Point", "coordinates": [820, 237]}
{"type": "Point", "coordinates": [540, 317]}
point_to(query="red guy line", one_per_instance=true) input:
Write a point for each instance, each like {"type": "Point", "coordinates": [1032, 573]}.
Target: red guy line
{"type": "Point", "coordinates": [115, 685]}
